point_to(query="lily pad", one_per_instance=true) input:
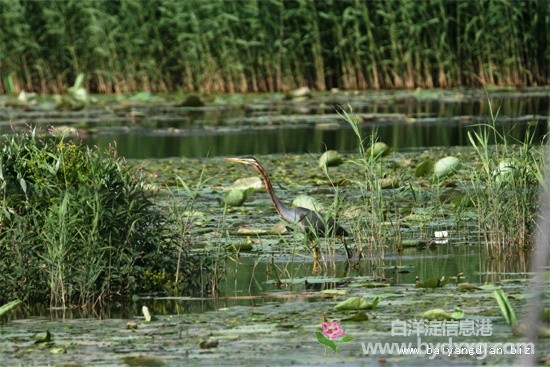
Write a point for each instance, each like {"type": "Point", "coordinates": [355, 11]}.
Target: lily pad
{"type": "Point", "coordinates": [44, 337]}
{"type": "Point", "coordinates": [357, 303]}
{"type": "Point", "coordinates": [247, 183]}
{"type": "Point", "coordinates": [234, 197]}
{"type": "Point", "coordinates": [467, 287]}
{"type": "Point", "coordinates": [299, 93]}
{"type": "Point", "coordinates": [330, 158]}
{"type": "Point", "coordinates": [147, 315]}
{"type": "Point", "coordinates": [368, 285]}
{"type": "Point", "coordinates": [147, 361]}
{"type": "Point", "coordinates": [433, 282]}
{"type": "Point", "coordinates": [379, 149]}
{"type": "Point", "coordinates": [441, 314]}
{"type": "Point", "coordinates": [417, 218]}
{"type": "Point", "coordinates": [335, 292]}
{"type": "Point", "coordinates": [424, 168]}
{"type": "Point", "coordinates": [359, 316]}
{"type": "Point", "coordinates": [308, 202]}
{"type": "Point", "coordinates": [57, 350]}
{"type": "Point", "coordinates": [446, 166]}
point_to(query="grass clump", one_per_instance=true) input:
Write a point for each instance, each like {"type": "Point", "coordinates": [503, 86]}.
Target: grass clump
{"type": "Point", "coordinates": [376, 237]}
{"type": "Point", "coordinates": [505, 189]}
{"type": "Point", "coordinates": [76, 226]}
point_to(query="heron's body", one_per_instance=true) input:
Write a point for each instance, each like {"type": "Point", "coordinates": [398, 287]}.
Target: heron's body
{"type": "Point", "coordinates": [306, 218]}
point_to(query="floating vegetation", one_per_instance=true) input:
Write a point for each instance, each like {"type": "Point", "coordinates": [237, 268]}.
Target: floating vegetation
{"type": "Point", "coordinates": [330, 158]}
{"type": "Point", "coordinates": [379, 149]}
{"type": "Point", "coordinates": [268, 294]}
{"type": "Point", "coordinates": [445, 167]}
{"type": "Point", "coordinates": [357, 303]}
{"type": "Point", "coordinates": [235, 197]}
{"type": "Point", "coordinates": [440, 314]}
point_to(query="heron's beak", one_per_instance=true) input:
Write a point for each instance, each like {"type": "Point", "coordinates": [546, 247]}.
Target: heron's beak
{"type": "Point", "coordinates": [235, 159]}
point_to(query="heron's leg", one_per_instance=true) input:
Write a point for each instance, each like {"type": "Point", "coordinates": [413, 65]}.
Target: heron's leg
{"type": "Point", "coordinates": [312, 244]}
{"type": "Point", "coordinates": [360, 253]}
{"type": "Point", "coordinates": [315, 268]}
{"type": "Point", "coordinates": [348, 251]}
{"type": "Point", "coordinates": [316, 253]}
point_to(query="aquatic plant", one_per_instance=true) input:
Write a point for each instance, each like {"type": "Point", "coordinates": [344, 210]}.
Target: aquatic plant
{"type": "Point", "coordinates": [504, 188]}
{"type": "Point", "coordinates": [332, 333]}
{"type": "Point", "coordinates": [505, 306]}
{"type": "Point", "coordinates": [77, 226]}
{"type": "Point", "coordinates": [181, 209]}
{"type": "Point", "coordinates": [371, 234]}
{"type": "Point", "coordinates": [253, 46]}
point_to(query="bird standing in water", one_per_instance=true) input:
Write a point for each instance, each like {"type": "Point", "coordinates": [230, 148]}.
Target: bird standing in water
{"type": "Point", "coordinates": [305, 218]}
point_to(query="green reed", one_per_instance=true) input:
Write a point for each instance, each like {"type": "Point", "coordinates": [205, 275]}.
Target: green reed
{"type": "Point", "coordinates": [505, 189]}
{"type": "Point", "coordinates": [77, 226]}
{"type": "Point", "coordinates": [370, 232]}
{"type": "Point", "coordinates": [253, 46]}
{"type": "Point", "coordinates": [181, 209]}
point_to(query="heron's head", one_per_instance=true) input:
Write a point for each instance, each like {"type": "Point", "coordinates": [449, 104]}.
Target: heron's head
{"type": "Point", "coordinates": [245, 160]}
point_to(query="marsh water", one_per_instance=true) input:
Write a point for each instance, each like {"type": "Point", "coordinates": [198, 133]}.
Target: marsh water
{"type": "Point", "coordinates": [154, 128]}
{"type": "Point", "coordinates": [267, 124]}
{"type": "Point", "coordinates": [157, 127]}
{"type": "Point", "coordinates": [267, 298]}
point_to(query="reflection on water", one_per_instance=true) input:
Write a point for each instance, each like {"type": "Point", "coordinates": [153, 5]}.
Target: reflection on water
{"type": "Point", "coordinates": [250, 281]}
{"type": "Point", "coordinates": [253, 282]}
{"type": "Point", "coordinates": [283, 127]}
{"type": "Point", "coordinates": [300, 139]}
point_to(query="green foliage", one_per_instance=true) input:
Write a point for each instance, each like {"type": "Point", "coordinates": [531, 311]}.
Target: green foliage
{"type": "Point", "coordinates": [77, 226]}
{"type": "Point", "coordinates": [357, 303]}
{"type": "Point", "coordinates": [440, 314]}
{"type": "Point", "coordinates": [369, 161]}
{"type": "Point", "coordinates": [216, 46]}
{"type": "Point", "coordinates": [505, 306]}
{"type": "Point", "coordinates": [505, 188]}
{"type": "Point", "coordinates": [9, 306]}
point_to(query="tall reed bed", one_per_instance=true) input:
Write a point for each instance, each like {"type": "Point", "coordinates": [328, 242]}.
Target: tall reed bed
{"type": "Point", "coordinates": [256, 45]}
{"type": "Point", "coordinates": [77, 226]}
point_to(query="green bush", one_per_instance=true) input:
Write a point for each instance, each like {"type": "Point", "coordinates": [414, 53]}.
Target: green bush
{"type": "Point", "coordinates": [76, 226]}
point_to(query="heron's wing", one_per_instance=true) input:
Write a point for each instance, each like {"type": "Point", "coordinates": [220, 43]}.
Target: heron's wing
{"type": "Point", "coordinates": [313, 221]}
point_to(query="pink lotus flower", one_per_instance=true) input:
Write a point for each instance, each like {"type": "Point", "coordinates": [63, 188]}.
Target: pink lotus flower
{"type": "Point", "coordinates": [332, 330]}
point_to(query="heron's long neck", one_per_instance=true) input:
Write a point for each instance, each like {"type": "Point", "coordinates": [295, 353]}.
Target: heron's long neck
{"type": "Point", "coordinates": [279, 206]}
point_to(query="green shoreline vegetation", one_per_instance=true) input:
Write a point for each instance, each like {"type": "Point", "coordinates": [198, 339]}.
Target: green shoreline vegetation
{"type": "Point", "coordinates": [80, 226]}
{"type": "Point", "coordinates": [267, 46]}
